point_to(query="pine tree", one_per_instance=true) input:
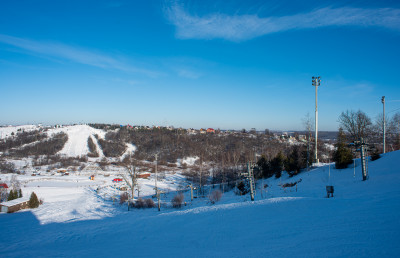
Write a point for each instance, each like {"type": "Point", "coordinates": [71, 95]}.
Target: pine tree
{"type": "Point", "coordinates": [265, 167]}
{"type": "Point", "coordinates": [33, 201]}
{"type": "Point", "coordinates": [20, 193]}
{"type": "Point", "coordinates": [295, 162]}
{"type": "Point", "coordinates": [12, 195]}
{"type": "Point", "coordinates": [277, 164]}
{"type": "Point", "coordinates": [342, 156]}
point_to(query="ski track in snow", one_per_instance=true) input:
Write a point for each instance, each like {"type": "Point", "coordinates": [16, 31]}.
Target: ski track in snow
{"type": "Point", "coordinates": [228, 206]}
{"type": "Point", "coordinates": [77, 139]}
{"type": "Point", "coordinates": [80, 205]}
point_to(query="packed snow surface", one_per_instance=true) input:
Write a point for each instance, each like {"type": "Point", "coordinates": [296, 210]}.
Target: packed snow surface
{"type": "Point", "coordinates": [77, 144]}
{"type": "Point", "coordinates": [76, 220]}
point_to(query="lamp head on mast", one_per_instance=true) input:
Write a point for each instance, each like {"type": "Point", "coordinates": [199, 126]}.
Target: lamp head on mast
{"type": "Point", "coordinates": [316, 81]}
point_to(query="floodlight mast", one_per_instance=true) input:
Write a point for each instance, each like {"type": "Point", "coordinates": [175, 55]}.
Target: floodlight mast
{"type": "Point", "coordinates": [384, 125]}
{"type": "Point", "coordinates": [316, 81]}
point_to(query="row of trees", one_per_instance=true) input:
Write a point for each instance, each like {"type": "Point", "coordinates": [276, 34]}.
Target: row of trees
{"type": "Point", "coordinates": [21, 138]}
{"type": "Point", "coordinates": [170, 145]}
{"type": "Point", "coordinates": [293, 161]}
{"type": "Point", "coordinates": [92, 148]}
{"type": "Point", "coordinates": [49, 146]}
{"type": "Point", "coordinates": [358, 125]}
{"type": "Point", "coordinates": [14, 194]}
{"type": "Point", "coordinates": [355, 125]}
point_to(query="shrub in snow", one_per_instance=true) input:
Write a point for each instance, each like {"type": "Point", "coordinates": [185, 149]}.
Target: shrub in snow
{"type": "Point", "coordinates": [243, 188]}
{"type": "Point", "coordinates": [140, 204]}
{"type": "Point", "coordinates": [177, 200]}
{"type": "Point", "coordinates": [143, 203]}
{"type": "Point", "coordinates": [33, 201]}
{"type": "Point", "coordinates": [149, 203]}
{"type": "Point", "coordinates": [215, 196]}
{"type": "Point", "coordinates": [375, 155]}
{"type": "Point", "coordinates": [123, 198]}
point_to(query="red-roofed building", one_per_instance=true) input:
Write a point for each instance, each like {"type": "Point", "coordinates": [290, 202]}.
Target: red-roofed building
{"type": "Point", "coordinates": [143, 175]}
{"type": "Point", "coordinates": [3, 186]}
{"type": "Point", "coordinates": [210, 130]}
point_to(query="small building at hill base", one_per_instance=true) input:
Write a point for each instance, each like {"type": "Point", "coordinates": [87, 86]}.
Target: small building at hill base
{"type": "Point", "coordinates": [14, 205]}
{"type": "Point", "coordinates": [5, 186]}
{"type": "Point", "coordinates": [143, 175]}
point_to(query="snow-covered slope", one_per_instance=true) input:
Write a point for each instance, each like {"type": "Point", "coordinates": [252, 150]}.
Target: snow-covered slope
{"type": "Point", "coordinates": [130, 149]}
{"type": "Point", "coordinates": [77, 139]}
{"type": "Point", "coordinates": [360, 221]}
{"type": "Point", "coordinates": [7, 131]}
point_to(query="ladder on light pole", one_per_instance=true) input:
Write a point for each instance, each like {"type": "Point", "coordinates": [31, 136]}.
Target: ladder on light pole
{"type": "Point", "coordinates": [316, 81]}
{"type": "Point", "coordinates": [362, 147]}
{"type": "Point", "coordinates": [384, 125]}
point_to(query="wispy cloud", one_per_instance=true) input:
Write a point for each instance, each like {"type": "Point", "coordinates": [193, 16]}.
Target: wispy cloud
{"type": "Point", "coordinates": [244, 27]}
{"type": "Point", "coordinates": [74, 54]}
{"type": "Point", "coordinates": [345, 88]}
{"type": "Point", "coordinates": [187, 73]}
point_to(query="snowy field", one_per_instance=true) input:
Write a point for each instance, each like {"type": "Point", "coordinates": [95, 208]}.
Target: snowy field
{"type": "Point", "coordinates": [78, 221]}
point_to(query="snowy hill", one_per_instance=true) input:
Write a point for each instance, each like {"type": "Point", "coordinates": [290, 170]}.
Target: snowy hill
{"type": "Point", "coordinates": [8, 131]}
{"type": "Point", "coordinates": [77, 143]}
{"type": "Point", "coordinates": [77, 139]}
{"type": "Point", "coordinates": [360, 221]}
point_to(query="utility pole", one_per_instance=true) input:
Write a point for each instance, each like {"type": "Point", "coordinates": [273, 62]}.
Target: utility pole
{"type": "Point", "coordinates": [384, 125]}
{"type": "Point", "coordinates": [308, 152]}
{"type": "Point", "coordinates": [156, 174]}
{"type": "Point", "coordinates": [158, 195]}
{"type": "Point", "coordinates": [316, 81]}
{"type": "Point", "coordinates": [201, 170]}
{"type": "Point", "coordinates": [191, 192]}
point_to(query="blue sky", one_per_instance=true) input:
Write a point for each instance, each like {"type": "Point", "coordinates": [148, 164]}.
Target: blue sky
{"type": "Point", "coordinates": [220, 64]}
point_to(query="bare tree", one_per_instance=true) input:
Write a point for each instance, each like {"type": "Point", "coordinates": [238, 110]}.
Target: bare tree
{"type": "Point", "coordinates": [395, 124]}
{"type": "Point", "coordinates": [177, 200]}
{"type": "Point", "coordinates": [215, 196]}
{"type": "Point", "coordinates": [357, 124]}
{"type": "Point", "coordinates": [130, 176]}
{"type": "Point", "coordinates": [15, 183]}
{"type": "Point", "coordinates": [308, 125]}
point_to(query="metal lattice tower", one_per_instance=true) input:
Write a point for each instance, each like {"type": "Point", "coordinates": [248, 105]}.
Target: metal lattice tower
{"type": "Point", "coordinates": [362, 147]}
{"type": "Point", "coordinates": [249, 175]}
